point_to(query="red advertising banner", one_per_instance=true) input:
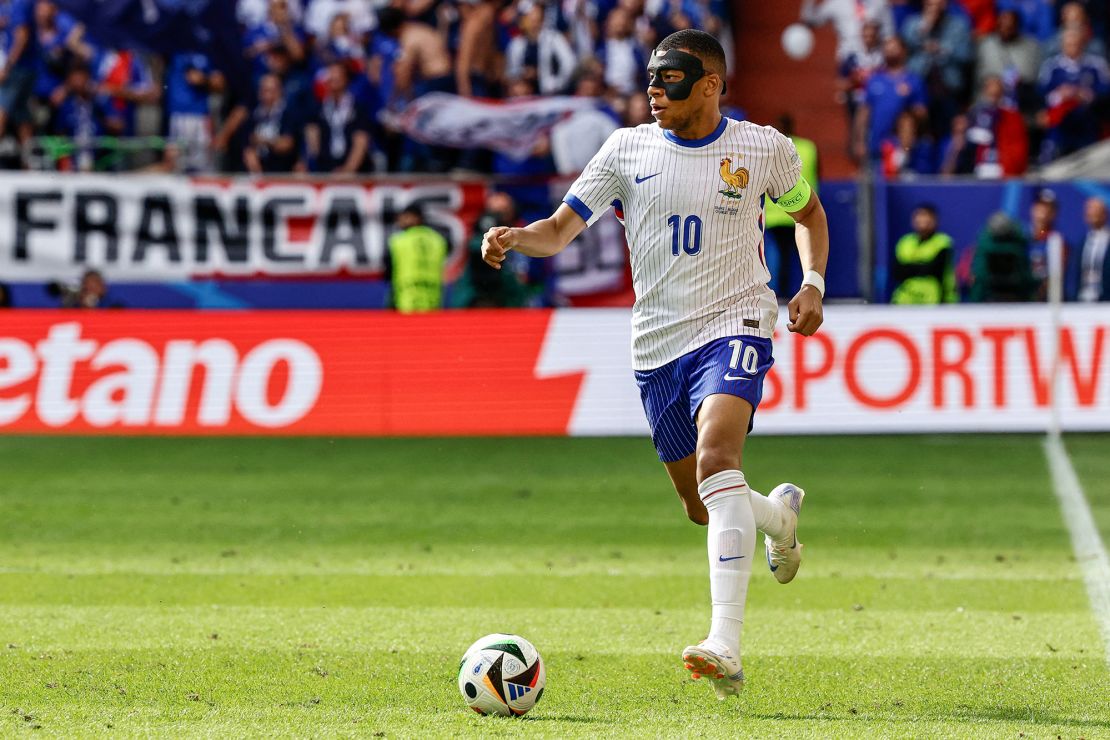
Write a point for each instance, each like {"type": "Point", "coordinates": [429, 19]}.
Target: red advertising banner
{"type": "Point", "coordinates": [870, 369]}
{"type": "Point", "coordinates": [279, 372]}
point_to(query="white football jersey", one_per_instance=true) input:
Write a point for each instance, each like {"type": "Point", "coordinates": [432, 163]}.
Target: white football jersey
{"type": "Point", "coordinates": [693, 216]}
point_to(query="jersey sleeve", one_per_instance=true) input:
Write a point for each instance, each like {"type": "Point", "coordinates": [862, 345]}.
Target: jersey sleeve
{"type": "Point", "coordinates": [786, 167]}
{"type": "Point", "coordinates": [599, 185]}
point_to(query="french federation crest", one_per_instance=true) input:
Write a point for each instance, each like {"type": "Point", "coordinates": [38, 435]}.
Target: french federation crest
{"type": "Point", "coordinates": [735, 181]}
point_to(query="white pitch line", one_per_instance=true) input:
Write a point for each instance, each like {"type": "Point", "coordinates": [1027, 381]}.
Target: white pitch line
{"type": "Point", "coordinates": [1090, 553]}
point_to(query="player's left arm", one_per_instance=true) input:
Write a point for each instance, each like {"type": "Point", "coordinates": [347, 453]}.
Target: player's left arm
{"type": "Point", "coordinates": [811, 233]}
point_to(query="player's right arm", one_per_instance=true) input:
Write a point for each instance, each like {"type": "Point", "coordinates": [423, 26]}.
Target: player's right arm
{"type": "Point", "coordinates": [598, 187]}
{"type": "Point", "coordinates": [542, 238]}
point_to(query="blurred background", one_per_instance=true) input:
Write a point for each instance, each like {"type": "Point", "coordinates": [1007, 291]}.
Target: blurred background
{"type": "Point", "coordinates": [300, 186]}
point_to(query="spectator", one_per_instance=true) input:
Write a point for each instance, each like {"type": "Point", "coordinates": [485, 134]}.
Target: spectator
{"type": "Point", "coordinates": [637, 110]}
{"type": "Point", "coordinates": [278, 31]}
{"type": "Point", "coordinates": [579, 19]}
{"type": "Point", "coordinates": [848, 17]}
{"type": "Point", "coordinates": [416, 256]}
{"type": "Point", "coordinates": [957, 154]}
{"type": "Point", "coordinates": [540, 54]}
{"type": "Point", "coordinates": [1094, 271]}
{"type": "Point", "coordinates": [189, 80]}
{"type": "Point", "coordinates": [382, 54]}
{"type": "Point", "coordinates": [481, 287]}
{"type": "Point", "coordinates": [80, 115]}
{"type": "Point", "coordinates": [1038, 17]}
{"type": "Point", "coordinates": [940, 48]}
{"type": "Point", "coordinates": [17, 68]}
{"type": "Point", "coordinates": [1014, 58]}
{"type": "Point", "coordinates": [320, 14]}
{"type": "Point", "coordinates": [889, 92]}
{"type": "Point", "coordinates": [60, 40]}
{"type": "Point", "coordinates": [126, 82]}
{"type": "Point", "coordinates": [478, 61]}
{"type": "Point", "coordinates": [1074, 84]}
{"type": "Point", "coordinates": [5, 296]}
{"type": "Point", "coordinates": [1097, 13]}
{"type": "Point", "coordinates": [338, 140]}
{"type": "Point", "coordinates": [254, 13]}
{"type": "Point", "coordinates": [997, 134]}
{"type": "Point", "coordinates": [924, 271]}
{"type": "Point", "coordinates": [907, 152]}
{"type": "Point", "coordinates": [1047, 245]}
{"type": "Point", "coordinates": [295, 84]}
{"type": "Point", "coordinates": [623, 56]}
{"type": "Point", "coordinates": [90, 292]}
{"type": "Point", "coordinates": [273, 139]}
{"type": "Point", "coordinates": [1000, 269]}
{"type": "Point", "coordinates": [423, 62]}
{"type": "Point", "coordinates": [1073, 16]}
{"type": "Point", "coordinates": [856, 69]}
{"type": "Point", "coordinates": [417, 62]}
{"type": "Point", "coordinates": [342, 44]}
{"type": "Point", "coordinates": [780, 224]}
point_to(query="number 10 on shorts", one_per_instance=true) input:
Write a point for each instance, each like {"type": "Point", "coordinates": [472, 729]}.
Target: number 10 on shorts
{"type": "Point", "coordinates": [744, 357]}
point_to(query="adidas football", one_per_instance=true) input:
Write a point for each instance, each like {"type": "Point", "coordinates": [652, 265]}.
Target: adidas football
{"type": "Point", "coordinates": [501, 674]}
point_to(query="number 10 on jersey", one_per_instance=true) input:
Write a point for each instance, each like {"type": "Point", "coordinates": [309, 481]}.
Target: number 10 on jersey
{"type": "Point", "coordinates": [685, 234]}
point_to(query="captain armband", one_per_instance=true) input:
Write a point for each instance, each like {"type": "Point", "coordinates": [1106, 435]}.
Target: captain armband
{"type": "Point", "coordinates": [796, 198]}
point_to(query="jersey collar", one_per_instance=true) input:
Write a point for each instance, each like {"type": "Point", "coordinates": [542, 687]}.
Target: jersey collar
{"type": "Point", "coordinates": [694, 143]}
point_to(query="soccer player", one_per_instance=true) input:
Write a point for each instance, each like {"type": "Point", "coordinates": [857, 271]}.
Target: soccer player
{"type": "Point", "coordinates": [689, 189]}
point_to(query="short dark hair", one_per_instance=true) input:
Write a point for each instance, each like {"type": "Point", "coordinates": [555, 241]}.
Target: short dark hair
{"type": "Point", "coordinates": [390, 20]}
{"type": "Point", "coordinates": [699, 43]}
{"type": "Point", "coordinates": [929, 208]}
{"type": "Point", "coordinates": [414, 209]}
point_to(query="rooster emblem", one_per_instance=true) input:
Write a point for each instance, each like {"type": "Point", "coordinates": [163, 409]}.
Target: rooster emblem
{"type": "Point", "coordinates": [734, 181]}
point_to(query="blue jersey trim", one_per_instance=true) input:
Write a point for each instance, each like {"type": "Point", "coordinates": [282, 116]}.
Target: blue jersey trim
{"type": "Point", "coordinates": [578, 207]}
{"type": "Point", "coordinates": [699, 142]}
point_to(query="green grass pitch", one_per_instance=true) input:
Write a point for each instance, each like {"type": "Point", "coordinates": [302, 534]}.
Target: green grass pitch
{"type": "Point", "coordinates": [310, 587]}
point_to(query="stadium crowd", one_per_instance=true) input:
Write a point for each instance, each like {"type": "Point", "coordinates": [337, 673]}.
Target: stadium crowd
{"type": "Point", "coordinates": [325, 74]}
{"type": "Point", "coordinates": [970, 87]}
{"type": "Point", "coordinates": [984, 87]}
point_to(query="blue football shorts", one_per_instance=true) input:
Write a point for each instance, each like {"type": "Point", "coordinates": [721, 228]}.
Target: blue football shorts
{"type": "Point", "coordinates": [673, 393]}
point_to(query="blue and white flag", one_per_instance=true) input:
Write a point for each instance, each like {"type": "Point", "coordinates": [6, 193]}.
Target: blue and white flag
{"type": "Point", "coordinates": [512, 127]}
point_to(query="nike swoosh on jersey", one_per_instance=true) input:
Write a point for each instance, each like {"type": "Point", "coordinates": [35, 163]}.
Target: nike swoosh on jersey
{"type": "Point", "coordinates": [641, 179]}
{"type": "Point", "coordinates": [736, 377]}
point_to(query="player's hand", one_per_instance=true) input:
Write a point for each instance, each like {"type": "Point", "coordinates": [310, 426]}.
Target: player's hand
{"type": "Point", "coordinates": [806, 312]}
{"type": "Point", "coordinates": [496, 245]}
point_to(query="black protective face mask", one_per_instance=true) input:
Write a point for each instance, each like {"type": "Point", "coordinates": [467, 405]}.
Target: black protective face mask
{"type": "Point", "coordinates": [674, 59]}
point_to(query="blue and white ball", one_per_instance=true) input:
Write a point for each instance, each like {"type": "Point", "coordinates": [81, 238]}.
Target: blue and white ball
{"type": "Point", "coordinates": [502, 674]}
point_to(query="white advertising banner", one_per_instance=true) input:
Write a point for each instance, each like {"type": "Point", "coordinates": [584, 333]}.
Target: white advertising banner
{"type": "Point", "coordinates": [156, 228]}
{"type": "Point", "coordinates": [876, 369]}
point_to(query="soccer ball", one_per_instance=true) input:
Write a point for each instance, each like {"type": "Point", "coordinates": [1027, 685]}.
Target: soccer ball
{"type": "Point", "coordinates": [502, 674]}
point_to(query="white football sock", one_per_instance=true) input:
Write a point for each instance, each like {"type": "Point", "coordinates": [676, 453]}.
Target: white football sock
{"type": "Point", "coordinates": [771, 516]}
{"type": "Point", "coordinates": [731, 543]}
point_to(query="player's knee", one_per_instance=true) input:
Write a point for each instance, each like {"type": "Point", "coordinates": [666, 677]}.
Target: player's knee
{"type": "Point", "coordinates": [713, 460]}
